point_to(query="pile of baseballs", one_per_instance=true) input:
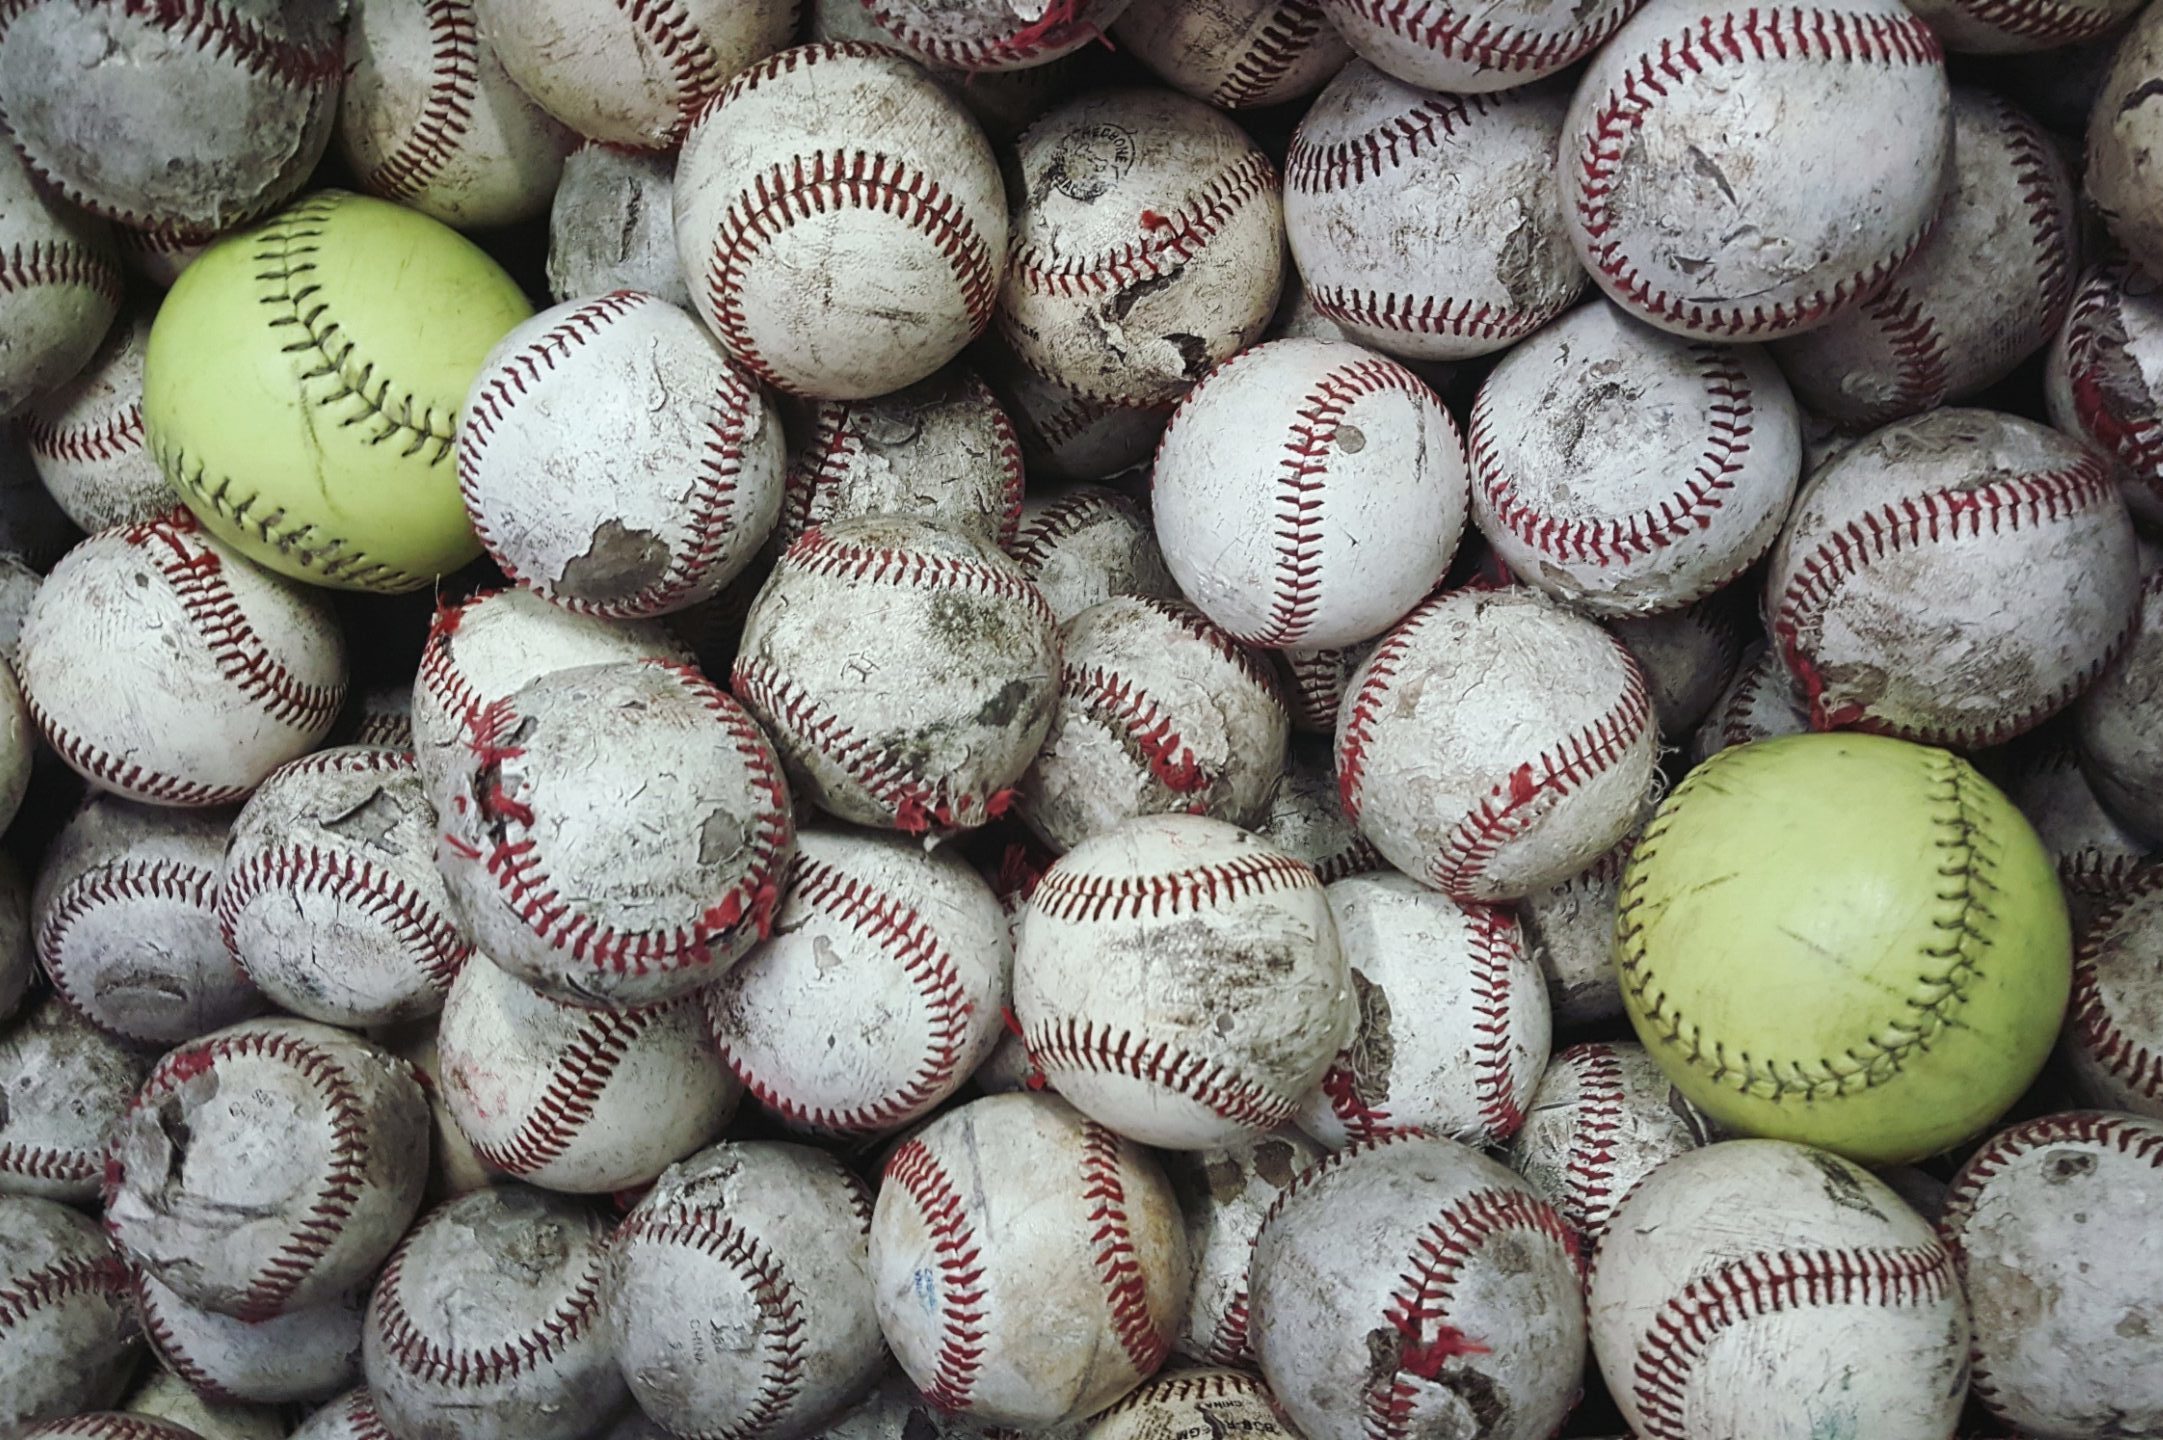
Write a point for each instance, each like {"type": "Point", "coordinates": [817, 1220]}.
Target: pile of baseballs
{"type": "Point", "coordinates": [1124, 719]}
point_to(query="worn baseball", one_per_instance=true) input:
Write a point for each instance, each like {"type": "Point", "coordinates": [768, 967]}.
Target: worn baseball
{"type": "Point", "coordinates": [18, 956]}
{"type": "Point", "coordinates": [926, 720]}
{"type": "Point", "coordinates": [1065, 435]}
{"type": "Point", "coordinates": [582, 1101]}
{"type": "Point", "coordinates": [1315, 682]}
{"type": "Point", "coordinates": [2103, 378]}
{"type": "Point", "coordinates": [1689, 657]}
{"type": "Point", "coordinates": [69, 1338]}
{"type": "Point", "coordinates": [1417, 1285]}
{"type": "Point", "coordinates": [739, 1293]}
{"type": "Point", "coordinates": [1029, 1265]}
{"type": "Point", "coordinates": [2120, 177]}
{"type": "Point", "coordinates": [487, 647]}
{"type": "Point", "coordinates": [59, 288]}
{"type": "Point", "coordinates": [630, 830]}
{"type": "Point", "coordinates": [1705, 163]}
{"type": "Point", "coordinates": [454, 1167]}
{"type": "Point", "coordinates": [1882, 964]}
{"type": "Point", "coordinates": [1602, 1119]}
{"type": "Point", "coordinates": [2096, 853]}
{"type": "Point", "coordinates": [1309, 493]}
{"type": "Point", "coordinates": [163, 667]}
{"type": "Point", "coordinates": [107, 1425]}
{"type": "Point", "coordinates": [63, 1086]}
{"type": "Point", "coordinates": [1494, 744]}
{"type": "Point", "coordinates": [491, 1310]}
{"type": "Point", "coordinates": [1180, 980]}
{"type": "Point", "coordinates": [1159, 713]}
{"type": "Point", "coordinates": [156, 257]}
{"type": "Point", "coordinates": [352, 1416]}
{"type": "Point", "coordinates": [1213, 1401]}
{"type": "Point", "coordinates": [1958, 578]}
{"type": "Point", "coordinates": [86, 438]}
{"type": "Point", "coordinates": [612, 226]}
{"type": "Point", "coordinates": [2045, 1225]}
{"type": "Point", "coordinates": [186, 118]}
{"type": "Point", "coordinates": [992, 35]}
{"type": "Point", "coordinates": [2119, 751]}
{"type": "Point", "coordinates": [19, 584]}
{"type": "Point", "coordinates": [2114, 1023]}
{"type": "Point", "coordinates": [1235, 54]}
{"type": "Point", "coordinates": [18, 745]}
{"type": "Point", "coordinates": [940, 450]}
{"type": "Point", "coordinates": [1391, 199]}
{"type": "Point", "coordinates": [1223, 1195]}
{"type": "Point", "coordinates": [303, 1355]}
{"type": "Point", "coordinates": [1464, 49]}
{"type": "Point", "coordinates": [1629, 472]}
{"type": "Point", "coordinates": [1793, 1253]}
{"type": "Point", "coordinates": [1760, 703]}
{"type": "Point", "coordinates": [330, 899]}
{"type": "Point", "coordinates": [1985, 291]}
{"type": "Point", "coordinates": [381, 716]}
{"type": "Point", "coordinates": [162, 1395]}
{"type": "Point", "coordinates": [1148, 245]}
{"type": "Point", "coordinates": [429, 117]}
{"type": "Point", "coordinates": [841, 221]}
{"type": "Point", "coordinates": [617, 463]}
{"type": "Point", "coordinates": [637, 75]}
{"type": "Point", "coordinates": [1454, 1024]}
{"type": "Point", "coordinates": [125, 921]}
{"type": "Point", "coordinates": [1980, 27]}
{"type": "Point", "coordinates": [1083, 544]}
{"type": "Point", "coordinates": [879, 993]}
{"type": "Point", "coordinates": [1306, 817]}
{"type": "Point", "coordinates": [1570, 931]}
{"type": "Point", "coordinates": [268, 1167]}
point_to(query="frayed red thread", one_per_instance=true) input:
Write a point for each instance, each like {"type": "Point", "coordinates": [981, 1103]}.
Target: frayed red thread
{"type": "Point", "coordinates": [501, 804]}
{"type": "Point", "coordinates": [1522, 786]}
{"type": "Point", "coordinates": [1426, 1358]}
{"type": "Point", "coordinates": [471, 852]}
{"type": "Point", "coordinates": [1151, 220]}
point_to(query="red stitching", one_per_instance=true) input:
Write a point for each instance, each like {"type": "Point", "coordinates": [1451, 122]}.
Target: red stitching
{"type": "Point", "coordinates": [1118, 1262]}
{"type": "Point", "coordinates": [2004, 506]}
{"type": "Point", "coordinates": [1184, 1386]}
{"type": "Point", "coordinates": [1121, 706]}
{"type": "Point", "coordinates": [420, 1356]}
{"type": "Point", "coordinates": [454, 84]}
{"type": "Point", "coordinates": [961, 1272]}
{"type": "Point", "coordinates": [1419, 1307]}
{"type": "Point", "coordinates": [1168, 241]}
{"type": "Point", "coordinates": [1425, 314]}
{"type": "Point", "coordinates": [357, 1418]}
{"type": "Point", "coordinates": [2040, 174]}
{"type": "Point", "coordinates": [1328, 1165]}
{"type": "Point", "coordinates": [1080, 1046]}
{"type": "Point", "coordinates": [1621, 539]}
{"type": "Point", "coordinates": [115, 438]}
{"type": "Point", "coordinates": [2095, 1029]}
{"type": "Point", "coordinates": [1358, 729]}
{"type": "Point", "coordinates": [223, 34]}
{"type": "Point", "coordinates": [65, 1164]}
{"type": "Point", "coordinates": [1911, 338]}
{"type": "Point", "coordinates": [556, 919]}
{"type": "Point", "coordinates": [781, 1311]}
{"type": "Point", "coordinates": [2132, 1136]}
{"type": "Point", "coordinates": [668, 27]}
{"type": "Point", "coordinates": [1471, 38]}
{"type": "Point", "coordinates": [1497, 944]}
{"type": "Point", "coordinates": [1595, 1126]}
{"type": "Point", "coordinates": [345, 1173]}
{"type": "Point", "coordinates": [1228, 1340]}
{"type": "Point", "coordinates": [57, 262]}
{"type": "Point", "coordinates": [158, 1329]}
{"type": "Point", "coordinates": [1318, 169]}
{"type": "Point", "coordinates": [108, 1425]}
{"type": "Point", "coordinates": [1065, 894]}
{"type": "Point", "coordinates": [1272, 50]}
{"type": "Point", "coordinates": [2095, 345]}
{"type": "Point", "coordinates": [2039, 19]}
{"type": "Point", "coordinates": [817, 552]}
{"type": "Point", "coordinates": [915, 947]}
{"type": "Point", "coordinates": [60, 1281]}
{"type": "Point", "coordinates": [1769, 1284]}
{"type": "Point", "coordinates": [438, 677]}
{"type": "Point", "coordinates": [118, 880]}
{"type": "Point", "coordinates": [1069, 515]}
{"type": "Point", "coordinates": [578, 1076]}
{"type": "Point", "coordinates": [1731, 39]}
{"type": "Point", "coordinates": [841, 178]}
{"type": "Point", "coordinates": [826, 462]}
{"type": "Point", "coordinates": [1060, 28]}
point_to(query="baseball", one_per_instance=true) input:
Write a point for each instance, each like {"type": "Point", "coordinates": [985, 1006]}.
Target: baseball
{"type": "Point", "coordinates": [2103, 374]}
{"type": "Point", "coordinates": [1957, 579]}
{"type": "Point", "coordinates": [1706, 162]}
{"type": "Point", "coordinates": [1068, 436]}
{"type": "Point", "coordinates": [112, 1425]}
{"type": "Point", "coordinates": [1083, 544]}
{"type": "Point", "coordinates": [927, 720]}
{"type": "Point", "coordinates": [2120, 176]}
{"type": "Point", "coordinates": [59, 287]}
{"type": "Point", "coordinates": [1979, 27]}
{"type": "Point", "coordinates": [454, 1167]}
{"type": "Point", "coordinates": [1308, 494]}
{"type": "Point", "coordinates": [430, 118]}
{"type": "Point", "coordinates": [841, 221]}
{"type": "Point", "coordinates": [2043, 1222]}
{"type": "Point", "coordinates": [1453, 1026]}
{"type": "Point", "coordinates": [303, 383]}
{"type": "Point", "coordinates": [1493, 744]}
{"type": "Point", "coordinates": [1760, 703]}
{"type": "Point", "coordinates": [165, 1396]}
{"type": "Point", "coordinates": [612, 226]}
{"type": "Point", "coordinates": [629, 833]}
{"type": "Point", "coordinates": [1159, 713]}
{"type": "Point", "coordinates": [1306, 818]}
{"type": "Point", "coordinates": [352, 1416]}
{"type": "Point", "coordinates": [1985, 291]}
{"type": "Point", "coordinates": [2119, 750]}
{"type": "Point", "coordinates": [614, 461]}
{"type": "Point", "coordinates": [125, 921]}
{"type": "Point", "coordinates": [1180, 980]}
{"type": "Point", "coordinates": [1148, 246]}
{"type": "Point", "coordinates": [1570, 931]}
{"type": "Point", "coordinates": [63, 1086]}
{"type": "Point", "coordinates": [1883, 965]}
{"type": "Point", "coordinates": [739, 1293]}
{"type": "Point", "coordinates": [879, 992]}
{"type": "Point", "coordinates": [1602, 1119]}
{"type": "Point", "coordinates": [2097, 855]}
{"type": "Point", "coordinates": [1389, 199]}
{"type": "Point", "coordinates": [1417, 1285]}
{"type": "Point", "coordinates": [1235, 54]}
{"type": "Point", "coordinates": [992, 35]}
{"type": "Point", "coordinates": [1315, 681]}
{"type": "Point", "coordinates": [330, 899]}
{"type": "Point", "coordinates": [1029, 1265]}
{"type": "Point", "coordinates": [631, 75]}
{"type": "Point", "coordinates": [1629, 472]}
{"type": "Point", "coordinates": [382, 717]}
{"type": "Point", "coordinates": [2114, 1023]}
{"type": "Point", "coordinates": [1223, 1195]}
{"type": "Point", "coordinates": [18, 746]}
{"type": "Point", "coordinates": [183, 118]}
{"type": "Point", "coordinates": [1437, 45]}
{"type": "Point", "coordinates": [1193, 1402]}
{"type": "Point", "coordinates": [68, 1333]}
{"type": "Point", "coordinates": [1735, 1252]}
{"type": "Point", "coordinates": [1689, 656]}
{"type": "Point", "coordinates": [299, 1355]}
{"type": "Point", "coordinates": [86, 438]}
{"type": "Point", "coordinates": [491, 1310]}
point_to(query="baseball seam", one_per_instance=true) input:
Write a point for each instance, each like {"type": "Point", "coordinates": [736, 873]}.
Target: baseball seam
{"type": "Point", "coordinates": [1142, 728]}
{"type": "Point", "coordinates": [815, 552]}
{"type": "Point", "coordinates": [1471, 38]}
{"type": "Point", "coordinates": [120, 880]}
{"type": "Point", "coordinates": [1496, 946]}
{"type": "Point", "coordinates": [409, 1347]}
{"type": "Point", "coordinates": [578, 1077]}
{"type": "Point", "coordinates": [2091, 1026]}
{"type": "Point", "coordinates": [158, 1330]}
{"type": "Point", "coordinates": [1058, 28]}
{"type": "Point", "coordinates": [1228, 1342]}
{"type": "Point", "coordinates": [432, 944]}
{"type": "Point", "coordinates": [1357, 731]}
{"type": "Point", "coordinates": [2040, 19]}
{"type": "Point", "coordinates": [1280, 42]}
{"type": "Point", "coordinates": [2091, 351]}
{"type": "Point", "coordinates": [1317, 169]}
{"type": "Point", "coordinates": [58, 262]}
{"type": "Point", "coordinates": [1118, 1262]}
{"type": "Point", "coordinates": [2038, 171]}
{"type": "Point", "coordinates": [1179, 1388]}
{"type": "Point", "coordinates": [2127, 1135]}
{"type": "Point", "coordinates": [1588, 1167]}
{"type": "Point", "coordinates": [1170, 239]}
{"type": "Point", "coordinates": [126, 776]}
{"type": "Point", "coordinates": [58, 1283]}
{"type": "Point", "coordinates": [1064, 894]}
{"type": "Point", "coordinates": [1081, 1046]}
{"type": "Point", "coordinates": [669, 28]}
{"type": "Point", "coordinates": [454, 52]}
{"type": "Point", "coordinates": [1038, 535]}
{"type": "Point", "coordinates": [60, 1164]}
{"type": "Point", "coordinates": [958, 1258]}
{"type": "Point", "coordinates": [115, 437]}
